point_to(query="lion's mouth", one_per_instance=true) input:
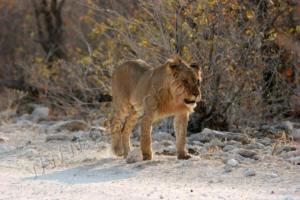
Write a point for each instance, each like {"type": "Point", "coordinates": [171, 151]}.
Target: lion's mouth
{"type": "Point", "coordinates": [186, 101]}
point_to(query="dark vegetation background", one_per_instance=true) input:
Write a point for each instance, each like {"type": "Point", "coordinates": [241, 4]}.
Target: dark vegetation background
{"type": "Point", "coordinates": [61, 53]}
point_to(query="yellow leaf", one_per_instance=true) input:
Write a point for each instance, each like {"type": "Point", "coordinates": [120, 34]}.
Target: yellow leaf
{"type": "Point", "coordinates": [250, 14]}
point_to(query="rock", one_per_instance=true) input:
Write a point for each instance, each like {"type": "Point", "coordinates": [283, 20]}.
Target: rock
{"type": "Point", "coordinates": [291, 154]}
{"type": "Point", "coordinates": [164, 125]}
{"type": "Point", "coordinates": [197, 143]}
{"type": "Point", "coordinates": [58, 138]}
{"type": "Point", "coordinates": [294, 160]}
{"type": "Point", "coordinates": [198, 137]}
{"type": "Point", "coordinates": [193, 149]}
{"type": "Point", "coordinates": [255, 145]}
{"type": "Point", "coordinates": [160, 136]}
{"type": "Point", "coordinates": [134, 156]}
{"type": "Point", "coordinates": [288, 198]}
{"type": "Point", "coordinates": [227, 168]}
{"type": "Point", "coordinates": [232, 163]}
{"type": "Point", "coordinates": [228, 148]}
{"type": "Point", "coordinates": [265, 141]}
{"type": "Point", "coordinates": [246, 153]}
{"type": "Point", "coordinates": [167, 143]}
{"type": "Point", "coordinates": [275, 130]}
{"type": "Point", "coordinates": [249, 172]}
{"type": "Point", "coordinates": [40, 113]}
{"type": "Point", "coordinates": [207, 135]}
{"type": "Point", "coordinates": [287, 126]}
{"type": "Point", "coordinates": [96, 133]}
{"type": "Point", "coordinates": [234, 143]}
{"type": "Point", "coordinates": [6, 148]}
{"type": "Point", "coordinates": [72, 125]}
{"type": "Point", "coordinates": [169, 151]}
{"type": "Point", "coordinates": [285, 149]}
{"type": "Point", "coordinates": [3, 139]}
{"type": "Point", "coordinates": [216, 142]}
{"type": "Point", "coordinates": [295, 135]}
{"type": "Point", "coordinates": [157, 147]}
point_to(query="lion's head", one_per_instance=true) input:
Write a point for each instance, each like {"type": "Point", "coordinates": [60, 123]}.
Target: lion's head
{"type": "Point", "coordinates": [185, 82]}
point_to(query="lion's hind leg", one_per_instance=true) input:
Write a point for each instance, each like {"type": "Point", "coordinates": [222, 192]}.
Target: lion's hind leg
{"type": "Point", "coordinates": [127, 129]}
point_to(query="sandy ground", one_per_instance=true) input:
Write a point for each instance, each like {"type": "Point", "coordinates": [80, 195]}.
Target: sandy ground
{"type": "Point", "coordinates": [35, 169]}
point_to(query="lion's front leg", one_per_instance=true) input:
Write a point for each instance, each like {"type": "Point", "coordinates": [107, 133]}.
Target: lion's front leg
{"type": "Point", "coordinates": [180, 124]}
{"type": "Point", "coordinates": [146, 129]}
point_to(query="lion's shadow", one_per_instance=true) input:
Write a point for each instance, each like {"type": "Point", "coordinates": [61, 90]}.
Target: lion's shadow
{"type": "Point", "coordinates": [104, 170]}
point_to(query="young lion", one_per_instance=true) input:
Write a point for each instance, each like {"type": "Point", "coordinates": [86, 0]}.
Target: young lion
{"type": "Point", "coordinates": [169, 90]}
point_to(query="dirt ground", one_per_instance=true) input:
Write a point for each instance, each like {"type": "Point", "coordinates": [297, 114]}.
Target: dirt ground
{"type": "Point", "coordinates": [31, 168]}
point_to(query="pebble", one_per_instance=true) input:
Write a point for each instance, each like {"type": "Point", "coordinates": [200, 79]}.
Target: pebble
{"type": "Point", "coordinates": [227, 168]}
{"type": "Point", "coordinates": [40, 113]}
{"type": "Point", "coordinates": [160, 136]}
{"type": "Point", "coordinates": [3, 139]}
{"type": "Point", "coordinates": [134, 156]}
{"type": "Point", "coordinates": [5, 148]}
{"type": "Point", "coordinates": [232, 163]}
{"type": "Point", "coordinates": [228, 148]}
{"type": "Point", "coordinates": [246, 153]}
{"type": "Point", "coordinates": [265, 141]}
{"type": "Point", "coordinates": [58, 138]}
{"type": "Point", "coordinates": [249, 172]}
{"type": "Point", "coordinates": [256, 145]}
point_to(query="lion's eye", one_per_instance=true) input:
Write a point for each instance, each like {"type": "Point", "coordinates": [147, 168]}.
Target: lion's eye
{"type": "Point", "coordinates": [185, 82]}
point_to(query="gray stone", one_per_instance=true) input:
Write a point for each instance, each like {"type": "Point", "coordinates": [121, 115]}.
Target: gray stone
{"type": "Point", "coordinates": [198, 137]}
{"type": "Point", "coordinates": [227, 168]}
{"type": "Point", "coordinates": [232, 163]}
{"type": "Point", "coordinates": [170, 151]}
{"type": "Point", "coordinates": [207, 135]}
{"type": "Point", "coordinates": [3, 139]}
{"type": "Point", "coordinates": [160, 136]}
{"type": "Point", "coordinates": [216, 142]}
{"type": "Point", "coordinates": [249, 172]}
{"type": "Point", "coordinates": [157, 147]}
{"type": "Point", "coordinates": [72, 125]}
{"type": "Point", "coordinates": [58, 138]}
{"type": "Point", "coordinates": [285, 149]}
{"type": "Point", "coordinates": [294, 160]}
{"type": "Point", "coordinates": [265, 141]}
{"type": "Point", "coordinates": [96, 133]}
{"type": "Point", "coordinates": [295, 135]}
{"type": "Point", "coordinates": [134, 156]}
{"type": "Point", "coordinates": [291, 154]}
{"type": "Point", "coordinates": [246, 153]}
{"type": "Point", "coordinates": [40, 113]}
{"type": "Point", "coordinates": [255, 145]}
{"type": "Point", "coordinates": [194, 149]}
{"type": "Point", "coordinates": [234, 143]}
{"type": "Point", "coordinates": [167, 143]}
{"type": "Point", "coordinates": [288, 198]}
{"type": "Point", "coordinates": [286, 126]}
{"type": "Point", "coordinates": [6, 148]}
{"type": "Point", "coordinates": [197, 143]}
{"type": "Point", "coordinates": [228, 148]}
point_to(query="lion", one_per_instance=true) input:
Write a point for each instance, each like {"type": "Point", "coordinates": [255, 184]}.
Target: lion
{"type": "Point", "coordinates": [139, 90]}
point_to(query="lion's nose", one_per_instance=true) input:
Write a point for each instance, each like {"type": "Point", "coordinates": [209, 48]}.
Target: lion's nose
{"type": "Point", "coordinates": [195, 93]}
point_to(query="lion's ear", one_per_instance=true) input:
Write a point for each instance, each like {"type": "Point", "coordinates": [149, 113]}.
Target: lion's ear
{"type": "Point", "coordinates": [174, 62]}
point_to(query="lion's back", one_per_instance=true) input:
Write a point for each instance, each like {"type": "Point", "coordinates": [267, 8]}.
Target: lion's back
{"type": "Point", "coordinates": [126, 77]}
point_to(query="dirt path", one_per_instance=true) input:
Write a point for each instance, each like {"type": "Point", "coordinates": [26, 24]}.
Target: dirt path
{"type": "Point", "coordinates": [34, 169]}
{"type": "Point", "coordinates": [163, 178]}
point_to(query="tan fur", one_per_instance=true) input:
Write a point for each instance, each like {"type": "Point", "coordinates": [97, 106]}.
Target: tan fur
{"type": "Point", "coordinates": [153, 93]}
